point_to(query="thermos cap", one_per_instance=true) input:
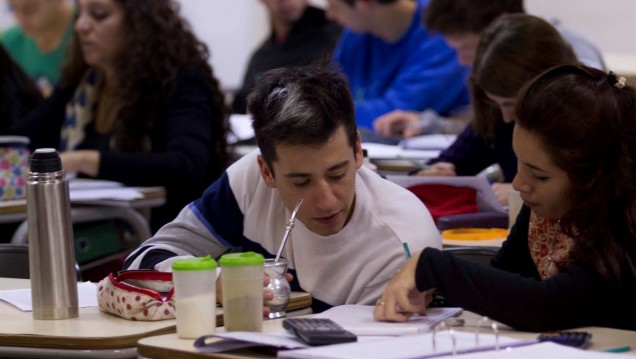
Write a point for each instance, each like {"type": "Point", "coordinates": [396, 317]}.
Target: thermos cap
{"type": "Point", "coordinates": [241, 259]}
{"type": "Point", "coordinates": [45, 160]}
{"type": "Point", "coordinates": [194, 264]}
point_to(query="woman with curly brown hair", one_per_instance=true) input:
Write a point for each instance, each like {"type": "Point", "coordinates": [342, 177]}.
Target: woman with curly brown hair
{"type": "Point", "coordinates": [137, 103]}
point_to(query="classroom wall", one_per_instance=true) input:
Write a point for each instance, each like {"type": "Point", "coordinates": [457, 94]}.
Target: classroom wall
{"type": "Point", "coordinates": [233, 28]}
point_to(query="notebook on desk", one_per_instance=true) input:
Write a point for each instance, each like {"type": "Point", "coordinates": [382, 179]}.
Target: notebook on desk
{"type": "Point", "coordinates": [408, 347]}
{"type": "Point", "coordinates": [358, 319]}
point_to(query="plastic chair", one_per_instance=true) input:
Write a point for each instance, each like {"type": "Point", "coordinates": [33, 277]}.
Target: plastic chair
{"type": "Point", "coordinates": [479, 255]}
{"type": "Point", "coordinates": [14, 261]}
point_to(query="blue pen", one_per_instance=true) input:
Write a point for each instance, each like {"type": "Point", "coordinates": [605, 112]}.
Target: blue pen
{"type": "Point", "coordinates": [407, 252]}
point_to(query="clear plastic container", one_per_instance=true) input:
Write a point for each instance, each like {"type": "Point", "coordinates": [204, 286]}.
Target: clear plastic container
{"type": "Point", "coordinates": [242, 285]}
{"type": "Point", "coordinates": [195, 296]}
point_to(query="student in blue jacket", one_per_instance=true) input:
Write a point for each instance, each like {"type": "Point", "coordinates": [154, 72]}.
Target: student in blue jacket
{"type": "Point", "coordinates": [393, 62]}
{"type": "Point", "coordinates": [570, 259]}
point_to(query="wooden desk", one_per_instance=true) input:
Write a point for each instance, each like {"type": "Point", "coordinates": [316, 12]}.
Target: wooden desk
{"type": "Point", "coordinates": [93, 333]}
{"type": "Point", "coordinates": [15, 210]}
{"type": "Point", "coordinates": [93, 210]}
{"type": "Point", "coordinates": [170, 347]}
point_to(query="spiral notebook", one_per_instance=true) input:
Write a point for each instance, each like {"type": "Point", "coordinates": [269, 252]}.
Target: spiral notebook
{"type": "Point", "coordinates": [409, 347]}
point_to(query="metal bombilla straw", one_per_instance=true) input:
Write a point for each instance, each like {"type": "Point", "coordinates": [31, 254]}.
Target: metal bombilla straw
{"type": "Point", "coordinates": [288, 228]}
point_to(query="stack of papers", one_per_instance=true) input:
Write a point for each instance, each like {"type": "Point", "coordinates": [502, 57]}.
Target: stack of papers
{"type": "Point", "coordinates": [84, 190]}
{"type": "Point", "coordinates": [428, 142]}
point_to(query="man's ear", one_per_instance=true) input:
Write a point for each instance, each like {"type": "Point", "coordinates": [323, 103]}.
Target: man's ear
{"type": "Point", "coordinates": [357, 150]}
{"type": "Point", "coordinates": [266, 172]}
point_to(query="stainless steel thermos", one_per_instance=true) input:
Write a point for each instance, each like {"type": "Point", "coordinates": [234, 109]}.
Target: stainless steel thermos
{"type": "Point", "coordinates": [51, 253]}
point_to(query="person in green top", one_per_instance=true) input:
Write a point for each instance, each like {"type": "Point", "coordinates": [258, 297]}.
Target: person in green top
{"type": "Point", "coordinates": [38, 41]}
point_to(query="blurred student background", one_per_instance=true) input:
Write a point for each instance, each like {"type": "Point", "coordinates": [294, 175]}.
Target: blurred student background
{"type": "Point", "coordinates": [393, 62]}
{"type": "Point", "coordinates": [137, 103]}
{"type": "Point", "coordinates": [39, 40]}
{"type": "Point", "coordinates": [300, 34]}
{"type": "Point", "coordinates": [461, 23]}
{"type": "Point", "coordinates": [18, 94]}
{"type": "Point", "coordinates": [511, 51]}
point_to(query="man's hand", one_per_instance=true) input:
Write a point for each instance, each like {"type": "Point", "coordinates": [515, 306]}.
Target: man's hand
{"type": "Point", "coordinates": [439, 169]}
{"type": "Point", "coordinates": [398, 123]}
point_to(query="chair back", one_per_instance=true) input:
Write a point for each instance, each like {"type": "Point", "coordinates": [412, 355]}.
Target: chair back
{"type": "Point", "coordinates": [479, 255]}
{"type": "Point", "coordinates": [14, 261]}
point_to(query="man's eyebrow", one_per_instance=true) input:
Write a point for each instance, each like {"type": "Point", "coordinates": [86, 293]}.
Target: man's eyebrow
{"type": "Point", "coordinates": [335, 167]}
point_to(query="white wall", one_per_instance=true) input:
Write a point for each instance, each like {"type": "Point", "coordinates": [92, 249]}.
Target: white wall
{"type": "Point", "coordinates": [609, 24]}
{"type": "Point", "coordinates": [233, 28]}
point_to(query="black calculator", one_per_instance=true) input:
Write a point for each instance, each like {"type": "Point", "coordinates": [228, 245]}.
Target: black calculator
{"type": "Point", "coordinates": [318, 331]}
{"type": "Point", "coordinates": [570, 338]}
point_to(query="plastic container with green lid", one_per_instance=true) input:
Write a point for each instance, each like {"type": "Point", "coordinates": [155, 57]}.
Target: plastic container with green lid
{"type": "Point", "coordinates": [242, 286]}
{"type": "Point", "coordinates": [190, 264]}
{"type": "Point", "coordinates": [241, 259]}
{"type": "Point", "coordinates": [195, 296]}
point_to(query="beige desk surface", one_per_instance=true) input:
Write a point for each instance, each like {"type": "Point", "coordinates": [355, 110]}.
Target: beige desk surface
{"type": "Point", "coordinates": [93, 329]}
{"type": "Point", "coordinates": [171, 347]}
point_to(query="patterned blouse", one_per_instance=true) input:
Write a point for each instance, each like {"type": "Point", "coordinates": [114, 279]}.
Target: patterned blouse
{"type": "Point", "coordinates": [549, 245]}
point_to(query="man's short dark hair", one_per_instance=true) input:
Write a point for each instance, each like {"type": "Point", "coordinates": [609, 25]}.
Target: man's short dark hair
{"type": "Point", "coordinates": [300, 106]}
{"type": "Point", "coordinates": [452, 17]}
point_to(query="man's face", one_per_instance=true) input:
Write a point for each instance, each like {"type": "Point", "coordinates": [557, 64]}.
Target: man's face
{"type": "Point", "coordinates": [288, 11]}
{"type": "Point", "coordinates": [347, 15]}
{"type": "Point", "coordinates": [33, 16]}
{"type": "Point", "coordinates": [322, 175]}
{"type": "Point", "coordinates": [465, 45]}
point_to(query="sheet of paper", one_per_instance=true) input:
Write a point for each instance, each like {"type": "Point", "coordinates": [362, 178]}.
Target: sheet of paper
{"type": "Point", "coordinates": [486, 199]}
{"type": "Point", "coordinates": [546, 350]}
{"type": "Point", "coordinates": [382, 151]}
{"type": "Point", "coordinates": [358, 319]}
{"type": "Point", "coordinates": [121, 194]}
{"type": "Point", "coordinates": [21, 298]}
{"type": "Point", "coordinates": [79, 184]}
{"type": "Point", "coordinates": [428, 142]}
{"type": "Point", "coordinates": [241, 126]}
